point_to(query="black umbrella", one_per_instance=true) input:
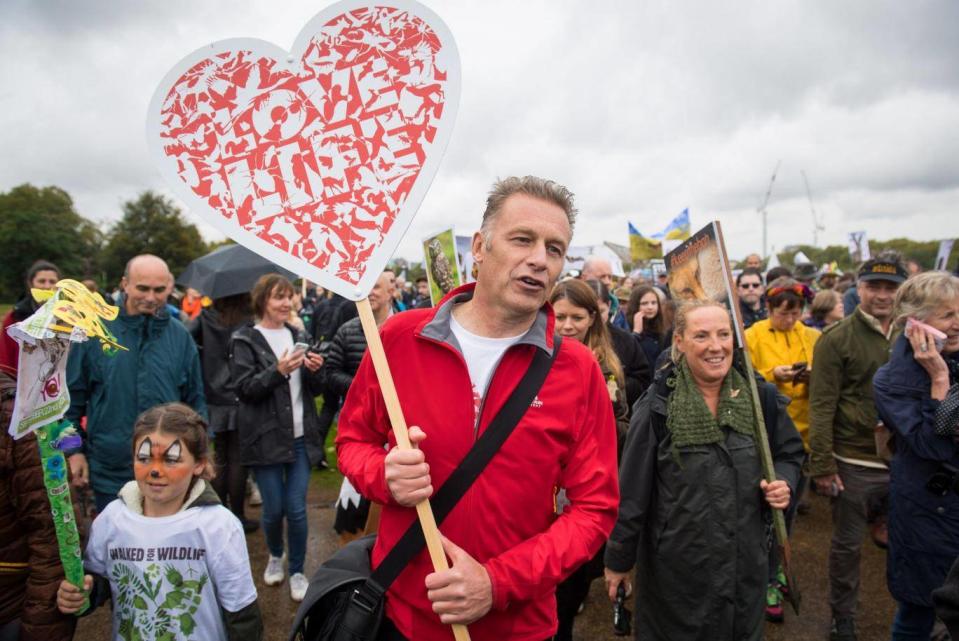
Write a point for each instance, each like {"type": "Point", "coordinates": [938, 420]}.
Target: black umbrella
{"type": "Point", "coordinates": [228, 270]}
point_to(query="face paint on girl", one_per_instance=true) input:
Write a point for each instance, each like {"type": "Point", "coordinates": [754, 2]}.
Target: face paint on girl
{"type": "Point", "coordinates": [164, 470]}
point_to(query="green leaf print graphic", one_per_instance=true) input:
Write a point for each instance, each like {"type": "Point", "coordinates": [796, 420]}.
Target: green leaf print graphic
{"type": "Point", "coordinates": [125, 629]}
{"type": "Point", "coordinates": [173, 577]}
{"type": "Point", "coordinates": [173, 599]}
{"type": "Point", "coordinates": [187, 624]}
{"type": "Point", "coordinates": [176, 600]}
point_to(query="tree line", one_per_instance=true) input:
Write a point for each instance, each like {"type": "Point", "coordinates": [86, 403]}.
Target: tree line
{"type": "Point", "coordinates": [42, 222]}
{"type": "Point", "coordinates": [923, 252]}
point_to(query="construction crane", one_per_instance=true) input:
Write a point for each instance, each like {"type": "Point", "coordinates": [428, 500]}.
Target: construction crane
{"type": "Point", "coordinates": [817, 225]}
{"type": "Point", "coordinates": [762, 208]}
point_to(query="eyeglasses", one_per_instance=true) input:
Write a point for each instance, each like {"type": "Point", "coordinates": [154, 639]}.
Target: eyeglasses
{"type": "Point", "coordinates": [751, 285]}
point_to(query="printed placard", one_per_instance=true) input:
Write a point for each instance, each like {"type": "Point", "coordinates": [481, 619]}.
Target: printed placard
{"type": "Point", "coordinates": [699, 269]}
{"type": "Point", "coordinates": [442, 265]}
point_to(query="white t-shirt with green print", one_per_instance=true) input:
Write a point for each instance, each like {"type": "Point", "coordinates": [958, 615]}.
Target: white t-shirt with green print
{"type": "Point", "coordinates": [169, 576]}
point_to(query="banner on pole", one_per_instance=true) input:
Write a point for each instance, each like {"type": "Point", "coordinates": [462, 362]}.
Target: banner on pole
{"type": "Point", "coordinates": [676, 231]}
{"type": "Point", "coordinates": [464, 254]}
{"type": "Point", "coordinates": [442, 265]}
{"type": "Point", "coordinates": [942, 257]}
{"type": "Point", "coordinates": [642, 248]}
{"type": "Point", "coordinates": [697, 270]}
{"type": "Point", "coordinates": [859, 247]}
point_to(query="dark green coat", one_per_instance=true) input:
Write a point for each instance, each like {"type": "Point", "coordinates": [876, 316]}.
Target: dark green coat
{"type": "Point", "coordinates": [842, 410]}
{"type": "Point", "coordinates": [160, 366]}
{"type": "Point", "coordinates": [697, 528]}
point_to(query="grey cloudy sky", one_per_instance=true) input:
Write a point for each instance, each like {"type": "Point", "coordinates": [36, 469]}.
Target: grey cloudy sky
{"type": "Point", "coordinates": [642, 108]}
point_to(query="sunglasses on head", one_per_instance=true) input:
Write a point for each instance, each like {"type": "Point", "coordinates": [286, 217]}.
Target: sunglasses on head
{"type": "Point", "coordinates": [799, 289]}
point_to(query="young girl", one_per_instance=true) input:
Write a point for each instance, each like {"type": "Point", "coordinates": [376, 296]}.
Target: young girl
{"type": "Point", "coordinates": [648, 317]}
{"type": "Point", "coordinates": [175, 559]}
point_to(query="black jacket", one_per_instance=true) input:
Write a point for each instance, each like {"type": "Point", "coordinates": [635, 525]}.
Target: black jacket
{"type": "Point", "coordinates": [694, 522]}
{"type": "Point", "coordinates": [213, 342]}
{"type": "Point", "coordinates": [330, 315]}
{"type": "Point", "coordinates": [750, 315]}
{"type": "Point", "coordinates": [653, 345]}
{"type": "Point", "coordinates": [265, 418]}
{"type": "Point", "coordinates": [636, 368]}
{"type": "Point", "coordinates": [345, 353]}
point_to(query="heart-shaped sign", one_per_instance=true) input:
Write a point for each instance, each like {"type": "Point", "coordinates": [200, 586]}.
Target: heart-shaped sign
{"type": "Point", "coordinates": [316, 159]}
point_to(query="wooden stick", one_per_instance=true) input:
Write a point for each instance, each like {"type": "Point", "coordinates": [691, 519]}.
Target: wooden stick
{"type": "Point", "coordinates": [765, 454]}
{"type": "Point", "coordinates": [423, 510]}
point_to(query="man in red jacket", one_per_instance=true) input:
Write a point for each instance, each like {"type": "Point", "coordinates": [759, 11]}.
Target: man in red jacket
{"type": "Point", "coordinates": [456, 365]}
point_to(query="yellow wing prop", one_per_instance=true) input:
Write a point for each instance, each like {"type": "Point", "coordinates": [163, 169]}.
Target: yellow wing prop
{"type": "Point", "coordinates": [76, 307]}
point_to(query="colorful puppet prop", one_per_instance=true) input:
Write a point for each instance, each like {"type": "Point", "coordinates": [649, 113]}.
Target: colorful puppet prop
{"type": "Point", "coordinates": [698, 269]}
{"type": "Point", "coordinates": [52, 439]}
{"type": "Point", "coordinates": [70, 313]}
{"type": "Point", "coordinates": [318, 158]}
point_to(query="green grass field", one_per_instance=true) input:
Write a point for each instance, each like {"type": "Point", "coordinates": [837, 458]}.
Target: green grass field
{"type": "Point", "coordinates": [4, 308]}
{"type": "Point", "coordinates": [331, 478]}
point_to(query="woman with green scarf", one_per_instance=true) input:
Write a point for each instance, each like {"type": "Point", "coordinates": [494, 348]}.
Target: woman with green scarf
{"type": "Point", "coordinates": [694, 508]}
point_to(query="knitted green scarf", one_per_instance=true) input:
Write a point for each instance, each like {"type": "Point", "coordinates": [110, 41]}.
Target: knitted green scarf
{"type": "Point", "coordinates": [688, 418]}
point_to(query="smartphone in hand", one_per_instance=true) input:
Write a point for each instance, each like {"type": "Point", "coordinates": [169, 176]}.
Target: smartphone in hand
{"type": "Point", "coordinates": [938, 337]}
{"type": "Point", "coordinates": [800, 372]}
{"type": "Point", "coordinates": [300, 348]}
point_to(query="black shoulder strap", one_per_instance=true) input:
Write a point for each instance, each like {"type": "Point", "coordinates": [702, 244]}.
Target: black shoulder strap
{"type": "Point", "coordinates": [470, 467]}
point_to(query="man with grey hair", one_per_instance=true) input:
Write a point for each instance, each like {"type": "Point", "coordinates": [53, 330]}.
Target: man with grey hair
{"type": "Point", "coordinates": [508, 546]}
{"type": "Point", "coordinates": [600, 269]}
{"type": "Point", "coordinates": [753, 261]}
{"type": "Point", "coordinates": [159, 365]}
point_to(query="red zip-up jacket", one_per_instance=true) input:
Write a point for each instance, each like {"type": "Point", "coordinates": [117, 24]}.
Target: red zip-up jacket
{"type": "Point", "coordinates": [506, 520]}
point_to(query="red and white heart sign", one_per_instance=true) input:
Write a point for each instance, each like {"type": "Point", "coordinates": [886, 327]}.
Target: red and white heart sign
{"type": "Point", "coordinates": [319, 158]}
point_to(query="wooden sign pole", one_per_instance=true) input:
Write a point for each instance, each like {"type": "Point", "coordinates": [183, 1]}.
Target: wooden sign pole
{"type": "Point", "coordinates": [423, 510]}
{"type": "Point", "coordinates": [769, 471]}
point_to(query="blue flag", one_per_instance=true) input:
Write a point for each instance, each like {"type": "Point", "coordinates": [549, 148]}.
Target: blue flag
{"type": "Point", "coordinates": [678, 229]}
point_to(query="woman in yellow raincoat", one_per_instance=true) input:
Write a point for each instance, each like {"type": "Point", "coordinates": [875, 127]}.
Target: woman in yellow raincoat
{"type": "Point", "coordinates": [781, 347]}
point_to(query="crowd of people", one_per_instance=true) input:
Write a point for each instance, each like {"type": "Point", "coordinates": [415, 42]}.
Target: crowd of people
{"type": "Point", "coordinates": [638, 462]}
